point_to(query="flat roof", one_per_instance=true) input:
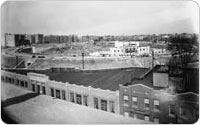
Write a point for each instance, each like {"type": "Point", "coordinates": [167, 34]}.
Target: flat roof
{"type": "Point", "coordinates": [192, 84]}
{"type": "Point", "coordinates": [105, 79]}
{"type": "Point", "coordinates": [27, 108]}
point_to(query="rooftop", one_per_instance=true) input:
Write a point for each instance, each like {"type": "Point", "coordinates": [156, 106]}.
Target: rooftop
{"type": "Point", "coordinates": [26, 107]}
{"type": "Point", "coordinates": [161, 69]}
{"type": "Point", "coordinates": [192, 84]}
{"type": "Point", "coordinates": [147, 80]}
{"type": "Point", "coordinates": [104, 79]}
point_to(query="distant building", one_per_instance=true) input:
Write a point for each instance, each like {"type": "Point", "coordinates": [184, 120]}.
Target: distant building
{"type": "Point", "coordinates": [15, 40]}
{"type": "Point", "coordinates": [124, 48]}
{"type": "Point", "coordinates": [143, 50]}
{"type": "Point", "coordinates": [160, 49]}
{"type": "Point", "coordinates": [10, 40]}
{"type": "Point", "coordinates": [117, 51]}
{"type": "Point", "coordinates": [39, 38]}
{"type": "Point", "coordinates": [94, 54]}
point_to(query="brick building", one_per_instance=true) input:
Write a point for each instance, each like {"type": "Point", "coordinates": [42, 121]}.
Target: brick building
{"type": "Point", "coordinates": [96, 89]}
{"type": "Point", "coordinates": [151, 97]}
{"type": "Point", "coordinates": [147, 94]}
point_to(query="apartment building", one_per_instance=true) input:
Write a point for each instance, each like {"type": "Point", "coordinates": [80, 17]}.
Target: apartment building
{"type": "Point", "coordinates": [152, 98]}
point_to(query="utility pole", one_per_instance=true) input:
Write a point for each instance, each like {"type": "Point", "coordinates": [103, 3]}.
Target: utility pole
{"type": "Point", "coordinates": [83, 60]}
{"type": "Point", "coordinates": [152, 58]}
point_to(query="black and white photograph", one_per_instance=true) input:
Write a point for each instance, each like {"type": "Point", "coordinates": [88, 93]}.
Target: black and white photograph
{"type": "Point", "coordinates": [100, 62]}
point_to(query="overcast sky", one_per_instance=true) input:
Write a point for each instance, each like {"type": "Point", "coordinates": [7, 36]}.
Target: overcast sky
{"type": "Point", "coordinates": [100, 17]}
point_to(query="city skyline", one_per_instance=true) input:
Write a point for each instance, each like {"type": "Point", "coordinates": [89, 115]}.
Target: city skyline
{"type": "Point", "coordinates": [100, 17]}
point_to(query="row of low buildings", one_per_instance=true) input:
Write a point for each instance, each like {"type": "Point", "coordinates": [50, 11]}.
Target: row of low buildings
{"type": "Point", "coordinates": [119, 49]}
{"type": "Point", "coordinates": [132, 48]}
{"type": "Point", "coordinates": [148, 94]}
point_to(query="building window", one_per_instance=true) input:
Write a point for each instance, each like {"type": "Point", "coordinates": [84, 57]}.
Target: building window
{"type": "Point", "coordinates": [63, 95]}
{"type": "Point", "coordinates": [2, 78]}
{"type": "Point", "coordinates": [78, 99]}
{"type": "Point", "coordinates": [26, 84]}
{"type": "Point", "coordinates": [38, 88]}
{"type": "Point", "coordinates": [172, 110]}
{"type": "Point", "coordinates": [146, 104]}
{"type": "Point", "coordinates": [9, 80]}
{"type": "Point", "coordinates": [72, 97]}
{"type": "Point", "coordinates": [146, 118]}
{"type": "Point", "coordinates": [52, 92]}
{"type": "Point", "coordinates": [125, 97]}
{"type": "Point", "coordinates": [156, 120]}
{"type": "Point", "coordinates": [85, 100]}
{"type": "Point", "coordinates": [6, 79]}
{"type": "Point", "coordinates": [103, 105]}
{"type": "Point", "coordinates": [22, 83]}
{"type": "Point", "coordinates": [43, 90]}
{"type": "Point", "coordinates": [12, 80]}
{"type": "Point", "coordinates": [112, 106]}
{"type": "Point", "coordinates": [57, 93]}
{"type": "Point", "coordinates": [156, 105]}
{"type": "Point", "coordinates": [17, 81]}
{"type": "Point", "coordinates": [33, 87]}
{"type": "Point", "coordinates": [135, 101]}
{"type": "Point", "coordinates": [96, 103]}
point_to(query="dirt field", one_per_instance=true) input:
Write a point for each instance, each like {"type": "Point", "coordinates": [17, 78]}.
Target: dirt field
{"type": "Point", "coordinates": [89, 63]}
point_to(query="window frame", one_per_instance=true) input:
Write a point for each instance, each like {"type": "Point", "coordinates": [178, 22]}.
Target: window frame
{"type": "Point", "coordinates": [96, 102]}
{"type": "Point", "coordinates": [170, 109]}
{"type": "Point", "coordinates": [135, 102]}
{"type": "Point", "coordinates": [104, 105]}
{"type": "Point", "coordinates": [147, 105]}
{"type": "Point", "coordinates": [79, 99]}
{"type": "Point", "coordinates": [72, 97]}
{"type": "Point", "coordinates": [156, 107]}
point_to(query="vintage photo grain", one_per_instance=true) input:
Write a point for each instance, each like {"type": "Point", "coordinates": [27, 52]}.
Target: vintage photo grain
{"type": "Point", "coordinates": [100, 62]}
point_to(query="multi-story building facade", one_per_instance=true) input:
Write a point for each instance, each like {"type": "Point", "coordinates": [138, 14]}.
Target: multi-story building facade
{"type": "Point", "coordinates": [99, 90]}
{"type": "Point", "coordinates": [147, 94]}
{"type": "Point", "coordinates": [105, 100]}
{"type": "Point", "coordinates": [151, 98]}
